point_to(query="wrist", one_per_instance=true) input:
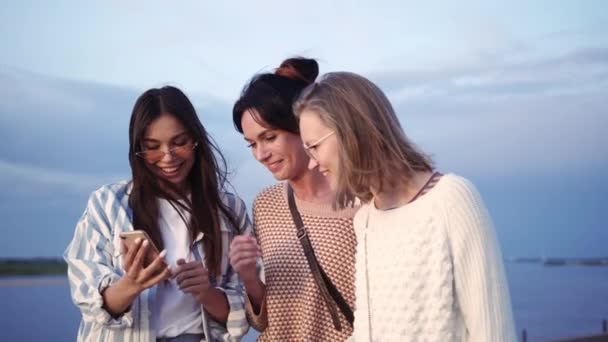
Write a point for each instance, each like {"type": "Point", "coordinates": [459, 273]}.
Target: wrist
{"type": "Point", "coordinates": [251, 282]}
{"type": "Point", "coordinates": [254, 287]}
{"type": "Point", "coordinates": [206, 297]}
{"type": "Point", "coordinates": [129, 287]}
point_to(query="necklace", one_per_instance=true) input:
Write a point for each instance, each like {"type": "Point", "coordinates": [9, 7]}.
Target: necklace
{"type": "Point", "coordinates": [369, 298]}
{"type": "Point", "coordinates": [420, 192]}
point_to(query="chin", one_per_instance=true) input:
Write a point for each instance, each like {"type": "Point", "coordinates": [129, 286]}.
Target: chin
{"type": "Point", "coordinates": [178, 181]}
{"type": "Point", "coordinates": [279, 177]}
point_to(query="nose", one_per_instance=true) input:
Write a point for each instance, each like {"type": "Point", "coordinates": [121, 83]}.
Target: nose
{"type": "Point", "coordinates": [261, 153]}
{"type": "Point", "coordinates": [312, 163]}
{"type": "Point", "coordinates": [167, 156]}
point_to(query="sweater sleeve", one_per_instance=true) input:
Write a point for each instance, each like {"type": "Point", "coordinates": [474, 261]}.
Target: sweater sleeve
{"type": "Point", "coordinates": [480, 282]}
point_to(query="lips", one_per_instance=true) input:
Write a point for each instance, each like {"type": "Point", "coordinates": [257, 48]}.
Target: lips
{"type": "Point", "coordinates": [170, 171]}
{"type": "Point", "coordinates": [274, 166]}
{"type": "Point", "coordinates": [324, 172]}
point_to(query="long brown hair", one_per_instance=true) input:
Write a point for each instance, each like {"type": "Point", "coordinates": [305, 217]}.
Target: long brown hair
{"type": "Point", "coordinates": [206, 179]}
{"type": "Point", "coordinates": [374, 152]}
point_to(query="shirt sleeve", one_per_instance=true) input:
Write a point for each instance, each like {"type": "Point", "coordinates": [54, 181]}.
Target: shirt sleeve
{"type": "Point", "coordinates": [90, 266]}
{"type": "Point", "coordinates": [258, 320]}
{"type": "Point", "coordinates": [480, 282]}
{"type": "Point", "coordinates": [236, 324]}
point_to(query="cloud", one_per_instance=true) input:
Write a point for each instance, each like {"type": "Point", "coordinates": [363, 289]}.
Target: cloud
{"type": "Point", "coordinates": [75, 133]}
{"type": "Point", "coordinates": [29, 180]}
{"type": "Point", "coordinates": [63, 124]}
{"type": "Point", "coordinates": [511, 137]}
{"type": "Point", "coordinates": [533, 115]}
{"type": "Point", "coordinates": [578, 71]}
{"type": "Point", "coordinates": [46, 97]}
{"type": "Point", "coordinates": [470, 119]}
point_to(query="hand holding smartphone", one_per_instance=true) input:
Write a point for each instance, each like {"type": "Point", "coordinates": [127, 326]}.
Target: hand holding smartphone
{"type": "Point", "coordinates": [129, 239]}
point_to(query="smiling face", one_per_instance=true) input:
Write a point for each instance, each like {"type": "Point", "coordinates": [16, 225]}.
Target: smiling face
{"type": "Point", "coordinates": [168, 150]}
{"type": "Point", "coordinates": [322, 145]}
{"type": "Point", "coordinates": [281, 152]}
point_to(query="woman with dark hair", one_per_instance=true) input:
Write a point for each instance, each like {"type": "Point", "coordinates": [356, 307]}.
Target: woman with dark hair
{"type": "Point", "coordinates": [189, 291]}
{"type": "Point", "coordinates": [428, 264]}
{"type": "Point", "coordinates": [304, 289]}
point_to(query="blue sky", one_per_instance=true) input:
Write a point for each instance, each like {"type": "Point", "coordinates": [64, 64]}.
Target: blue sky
{"type": "Point", "coordinates": [509, 94]}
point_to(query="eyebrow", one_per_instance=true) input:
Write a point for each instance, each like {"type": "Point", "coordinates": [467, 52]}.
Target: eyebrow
{"type": "Point", "coordinates": [261, 135]}
{"type": "Point", "coordinates": [179, 135]}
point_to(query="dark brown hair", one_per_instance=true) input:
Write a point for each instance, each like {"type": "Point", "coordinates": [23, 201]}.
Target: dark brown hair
{"type": "Point", "coordinates": [271, 95]}
{"type": "Point", "coordinates": [206, 179]}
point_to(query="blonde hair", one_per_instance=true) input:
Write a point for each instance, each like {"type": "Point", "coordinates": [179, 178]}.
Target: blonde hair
{"type": "Point", "coordinates": [373, 149]}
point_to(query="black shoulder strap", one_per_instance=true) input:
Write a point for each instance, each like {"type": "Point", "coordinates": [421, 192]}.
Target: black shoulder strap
{"type": "Point", "coordinates": [326, 286]}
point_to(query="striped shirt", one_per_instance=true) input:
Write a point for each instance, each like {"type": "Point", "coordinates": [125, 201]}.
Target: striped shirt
{"type": "Point", "coordinates": [94, 263]}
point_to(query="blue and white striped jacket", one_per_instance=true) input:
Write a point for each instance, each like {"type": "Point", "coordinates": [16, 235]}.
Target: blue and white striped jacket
{"type": "Point", "coordinates": [94, 263]}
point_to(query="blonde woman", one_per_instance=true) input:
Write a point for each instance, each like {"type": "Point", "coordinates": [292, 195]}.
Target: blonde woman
{"type": "Point", "coordinates": [428, 265]}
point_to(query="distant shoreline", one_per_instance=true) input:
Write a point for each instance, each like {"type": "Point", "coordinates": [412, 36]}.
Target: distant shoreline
{"type": "Point", "coordinates": [33, 281]}
{"type": "Point", "coordinates": [550, 261]}
{"type": "Point", "coordinates": [10, 267]}
{"type": "Point", "coordinates": [16, 267]}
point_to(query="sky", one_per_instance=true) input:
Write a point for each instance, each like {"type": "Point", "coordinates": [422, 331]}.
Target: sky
{"type": "Point", "coordinates": [511, 95]}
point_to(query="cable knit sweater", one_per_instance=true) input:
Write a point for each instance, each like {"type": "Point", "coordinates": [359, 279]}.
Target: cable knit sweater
{"type": "Point", "coordinates": [433, 269]}
{"type": "Point", "coordinates": [294, 309]}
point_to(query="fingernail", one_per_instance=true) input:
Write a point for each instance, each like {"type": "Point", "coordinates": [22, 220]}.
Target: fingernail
{"type": "Point", "coordinates": [145, 242]}
{"type": "Point", "coordinates": [138, 240]}
{"type": "Point", "coordinates": [163, 253]}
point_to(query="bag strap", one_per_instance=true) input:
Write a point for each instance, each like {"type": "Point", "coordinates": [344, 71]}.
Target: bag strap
{"type": "Point", "coordinates": [326, 287]}
{"type": "Point", "coordinates": [337, 296]}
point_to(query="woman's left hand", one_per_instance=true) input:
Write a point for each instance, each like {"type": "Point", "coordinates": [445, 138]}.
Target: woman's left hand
{"type": "Point", "coordinates": [192, 278]}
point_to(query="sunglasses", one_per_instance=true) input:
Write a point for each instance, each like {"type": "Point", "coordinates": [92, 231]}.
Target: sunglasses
{"type": "Point", "coordinates": [182, 151]}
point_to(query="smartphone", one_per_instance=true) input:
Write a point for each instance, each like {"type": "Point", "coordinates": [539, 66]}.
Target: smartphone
{"type": "Point", "coordinates": [129, 239]}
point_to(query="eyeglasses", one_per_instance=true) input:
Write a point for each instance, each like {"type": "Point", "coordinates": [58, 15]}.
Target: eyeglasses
{"type": "Point", "coordinates": [155, 155]}
{"type": "Point", "coordinates": [311, 149]}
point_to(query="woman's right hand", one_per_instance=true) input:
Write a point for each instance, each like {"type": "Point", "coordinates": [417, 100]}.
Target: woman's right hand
{"type": "Point", "coordinates": [244, 254]}
{"type": "Point", "coordinates": [141, 277]}
{"type": "Point", "coordinates": [118, 297]}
